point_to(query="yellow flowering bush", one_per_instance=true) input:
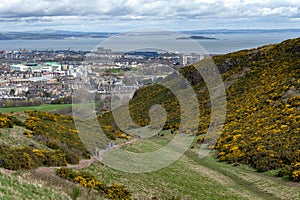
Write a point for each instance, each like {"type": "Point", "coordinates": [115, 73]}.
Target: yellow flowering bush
{"type": "Point", "coordinates": [29, 158]}
{"type": "Point", "coordinates": [8, 121]}
{"type": "Point", "coordinates": [57, 132]}
{"type": "Point", "coordinates": [263, 109]}
{"type": "Point", "coordinates": [295, 175]}
{"type": "Point", "coordinates": [27, 134]}
{"type": "Point", "coordinates": [114, 191]}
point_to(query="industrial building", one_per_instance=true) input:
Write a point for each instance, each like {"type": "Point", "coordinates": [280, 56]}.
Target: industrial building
{"type": "Point", "coordinates": [34, 67]}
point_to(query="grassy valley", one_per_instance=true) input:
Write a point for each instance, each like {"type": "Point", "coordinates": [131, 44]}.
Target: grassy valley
{"type": "Point", "coordinates": [257, 155]}
{"type": "Point", "coordinates": [263, 104]}
{"type": "Point", "coordinates": [194, 178]}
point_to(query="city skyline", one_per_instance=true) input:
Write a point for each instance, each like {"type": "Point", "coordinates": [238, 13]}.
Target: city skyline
{"type": "Point", "coordinates": [124, 15]}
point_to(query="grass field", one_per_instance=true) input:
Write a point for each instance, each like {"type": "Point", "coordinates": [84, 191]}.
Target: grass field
{"type": "Point", "coordinates": [45, 107]}
{"type": "Point", "coordinates": [194, 178]}
{"type": "Point", "coordinates": [17, 188]}
{"type": "Point", "coordinates": [187, 178]}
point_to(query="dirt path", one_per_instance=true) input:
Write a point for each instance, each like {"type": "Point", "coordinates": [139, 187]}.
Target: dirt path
{"type": "Point", "coordinates": [258, 185]}
{"type": "Point", "coordinates": [7, 171]}
{"type": "Point", "coordinates": [83, 163]}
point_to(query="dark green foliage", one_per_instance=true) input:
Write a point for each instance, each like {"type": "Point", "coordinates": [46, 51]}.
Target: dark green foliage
{"type": "Point", "coordinates": [19, 103]}
{"type": "Point", "coordinates": [29, 158]}
{"type": "Point", "coordinates": [8, 121]}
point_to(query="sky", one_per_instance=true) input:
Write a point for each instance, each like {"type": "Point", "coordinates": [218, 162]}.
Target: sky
{"type": "Point", "coordinates": [123, 15]}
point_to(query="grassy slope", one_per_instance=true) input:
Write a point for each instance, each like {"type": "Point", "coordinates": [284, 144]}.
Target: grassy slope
{"type": "Point", "coordinates": [263, 107]}
{"type": "Point", "coordinates": [194, 178]}
{"type": "Point", "coordinates": [15, 187]}
{"type": "Point", "coordinates": [14, 137]}
{"type": "Point", "coordinates": [189, 177]}
{"type": "Point", "coordinates": [256, 82]}
{"type": "Point", "coordinates": [34, 184]}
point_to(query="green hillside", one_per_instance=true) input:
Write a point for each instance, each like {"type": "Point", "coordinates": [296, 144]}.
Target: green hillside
{"type": "Point", "coordinates": [261, 134]}
{"type": "Point", "coordinates": [262, 126]}
{"type": "Point", "coordinates": [19, 188]}
{"type": "Point", "coordinates": [32, 144]}
{"type": "Point", "coordinates": [35, 138]}
{"type": "Point", "coordinates": [192, 178]}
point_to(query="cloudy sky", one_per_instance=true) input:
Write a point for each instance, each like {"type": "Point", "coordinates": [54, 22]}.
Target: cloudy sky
{"type": "Point", "coordinates": [121, 15]}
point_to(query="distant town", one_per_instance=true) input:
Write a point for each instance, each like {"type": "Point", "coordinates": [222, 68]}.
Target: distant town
{"type": "Point", "coordinates": [33, 77]}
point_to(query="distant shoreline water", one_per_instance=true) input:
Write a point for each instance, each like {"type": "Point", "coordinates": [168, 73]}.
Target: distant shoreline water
{"type": "Point", "coordinates": [225, 43]}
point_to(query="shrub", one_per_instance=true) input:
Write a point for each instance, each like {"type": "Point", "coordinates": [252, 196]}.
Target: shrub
{"type": "Point", "coordinates": [291, 171]}
{"type": "Point", "coordinates": [27, 134]}
{"type": "Point", "coordinates": [29, 158]}
{"type": "Point", "coordinates": [57, 132]}
{"type": "Point", "coordinates": [114, 191]}
{"type": "Point", "coordinates": [52, 145]}
{"type": "Point", "coordinates": [71, 157]}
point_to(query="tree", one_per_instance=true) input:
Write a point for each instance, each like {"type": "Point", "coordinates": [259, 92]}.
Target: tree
{"type": "Point", "coordinates": [12, 92]}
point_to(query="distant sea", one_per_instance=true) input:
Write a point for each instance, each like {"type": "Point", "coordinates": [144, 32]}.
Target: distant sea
{"type": "Point", "coordinates": [225, 43]}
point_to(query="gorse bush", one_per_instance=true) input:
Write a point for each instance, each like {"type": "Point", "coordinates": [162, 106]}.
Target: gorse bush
{"type": "Point", "coordinates": [291, 171]}
{"type": "Point", "coordinates": [29, 158]}
{"type": "Point", "coordinates": [57, 132]}
{"type": "Point", "coordinates": [8, 121]}
{"type": "Point", "coordinates": [262, 125]}
{"type": "Point", "coordinates": [53, 131]}
{"type": "Point", "coordinates": [114, 191]}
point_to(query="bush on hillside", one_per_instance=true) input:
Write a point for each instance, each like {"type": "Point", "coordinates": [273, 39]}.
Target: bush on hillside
{"type": "Point", "coordinates": [87, 180]}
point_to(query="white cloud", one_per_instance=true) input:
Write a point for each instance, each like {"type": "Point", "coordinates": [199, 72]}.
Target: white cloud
{"type": "Point", "coordinates": [116, 8]}
{"type": "Point", "coordinates": [295, 19]}
{"type": "Point", "coordinates": [282, 11]}
{"type": "Point", "coordinates": [123, 11]}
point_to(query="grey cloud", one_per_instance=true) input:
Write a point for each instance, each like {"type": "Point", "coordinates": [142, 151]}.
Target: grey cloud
{"type": "Point", "coordinates": [72, 11]}
{"type": "Point", "coordinates": [114, 8]}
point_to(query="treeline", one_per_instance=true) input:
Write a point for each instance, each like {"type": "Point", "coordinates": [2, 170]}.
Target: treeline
{"type": "Point", "coordinates": [19, 103]}
{"type": "Point", "coordinates": [62, 100]}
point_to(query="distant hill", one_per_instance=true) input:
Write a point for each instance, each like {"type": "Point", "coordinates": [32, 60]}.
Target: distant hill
{"type": "Point", "coordinates": [51, 34]}
{"type": "Point", "coordinates": [239, 31]}
{"type": "Point", "coordinates": [64, 34]}
{"type": "Point", "coordinates": [197, 37]}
